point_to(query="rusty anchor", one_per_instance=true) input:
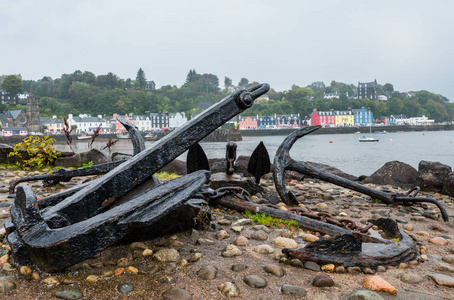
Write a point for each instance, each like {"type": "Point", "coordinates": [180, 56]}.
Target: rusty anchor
{"type": "Point", "coordinates": [65, 175]}
{"type": "Point", "coordinates": [283, 162]}
{"type": "Point", "coordinates": [71, 226]}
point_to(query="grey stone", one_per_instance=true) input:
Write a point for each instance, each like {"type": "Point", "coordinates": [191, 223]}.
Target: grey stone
{"type": "Point", "coordinates": [125, 288]}
{"type": "Point", "coordinates": [442, 279]}
{"type": "Point", "coordinates": [290, 289]}
{"type": "Point", "coordinates": [396, 173]}
{"type": "Point", "coordinates": [275, 270]}
{"type": "Point", "coordinates": [69, 294]}
{"type": "Point", "coordinates": [259, 235]}
{"type": "Point", "coordinates": [312, 266]}
{"type": "Point", "coordinates": [229, 289]}
{"type": "Point", "coordinates": [6, 284]}
{"type": "Point", "coordinates": [432, 176]}
{"type": "Point", "coordinates": [167, 255]}
{"type": "Point", "coordinates": [176, 294]}
{"type": "Point", "coordinates": [254, 281]}
{"type": "Point", "coordinates": [365, 295]}
{"type": "Point", "coordinates": [448, 258]}
{"type": "Point", "coordinates": [238, 267]}
{"type": "Point", "coordinates": [322, 280]}
{"type": "Point", "coordinates": [412, 278]}
{"type": "Point", "coordinates": [207, 273]}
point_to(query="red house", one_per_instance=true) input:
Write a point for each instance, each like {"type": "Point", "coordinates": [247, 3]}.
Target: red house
{"type": "Point", "coordinates": [248, 123]}
{"type": "Point", "coordinates": [324, 118]}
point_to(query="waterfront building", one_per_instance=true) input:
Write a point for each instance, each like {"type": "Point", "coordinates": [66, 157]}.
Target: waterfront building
{"type": "Point", "coordinates": [288, 121]}
{"type": "Point", "coordinates": [53, 125]}
{"type": "Point", "coordinates": [87, 124]}
{"type": "Point", "coordinates": [159, 120]}
{"type": "Point", "coordinates": [344, 118]}
{"type": "Point", "coordinates": [247, 123]}
{"type": "Point", "coordinates": [362, 117]}
{"type": "Point", "coordinates": [367, 89]}
{"type": "Point", "coordinates": [382, 120]}
{"type": "Point", "coordinates": [323, 118]}
{"type": "Point", "coordinates": [177, 120]}
{"type": "Point", "coordinates": [266, 122]}
{"type": "Point", "coordinates": [10, 131]}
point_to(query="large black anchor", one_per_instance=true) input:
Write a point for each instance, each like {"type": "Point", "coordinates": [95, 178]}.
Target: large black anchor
{"type": "Point", "coordinates": [71, 226]}
{"type": "Point", "coordinates": [283, 162]}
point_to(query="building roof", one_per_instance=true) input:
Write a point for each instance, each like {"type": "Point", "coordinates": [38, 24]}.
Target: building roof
{"type": "Point", "coordinates": [13, 114]}
{"type": "Point", "coordinates": [45, 121]}
{"type": "Point", "coordinates": [14, 128]}
{"type": "Point", "coordinates": [3, 119]}
{"type": "Point", "coordinates": [88, 119]}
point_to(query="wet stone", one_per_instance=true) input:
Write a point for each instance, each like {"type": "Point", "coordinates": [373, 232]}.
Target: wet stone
{"type": "Point", "coordinates": [264, 249]}
{"type": "Point", "coordinates": [229, 289]}
{"type": "Point", "coordinates": [442, 279]}
{"type": "Point", "coordinates": [312, 266]}
{"type": "Point", "coordinates": [285, 242]}
{"type": "Point", "coordinates": [259, 235]}
{"type": "Point", "coordinates": [322, 280]}
{"type": "Point", "coordinates": [125, 288]}
{"type": "Point", "coordinates": [6, 284]}
{"type": "Point", "coordinates": [290, 289]}
{"type": "Point", "coordinates": [176, 294]}
{"type": "Point", "coordinates": [276, 270]}
{"type": "Point", "coordinates": [255, 281]}
{"type": "Point", "coordinates": [448, 258]}
{"type": "Point", "coordinates": [204, 242]}
{"type": "Point", "coordinates": [69, 294]}
{"type": "Point", "coordinates": [222, 234]}
{"type": "Point", "coordinates": [241, 241]}
{"type": "Point", "coordinates": [354, 270]}
{"type": "Point", "coordinates": [167, 255]}
{"type": "Point", "coordinates": [403, 221]}
{"type": "Point", "coordinates": [365, 295]}
{"type": "Point", "coordinates": [51, 280]}
{"type": "Point", "coordinates": [296, 262]}
{"type": "Point", "coordinates": [231, 250]}
{"type": "Point", "coordinates": [239, 267]}
{"type": "Point", "coordinates": [207, 273]}
{"type": "Point", "coordinates": [412, 278]}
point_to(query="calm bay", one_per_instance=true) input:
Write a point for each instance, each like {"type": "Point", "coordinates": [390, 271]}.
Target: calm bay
{"type": "Point", "coordinates": [342, 151]}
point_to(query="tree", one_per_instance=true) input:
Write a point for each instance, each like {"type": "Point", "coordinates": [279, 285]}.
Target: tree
{"type": "Point", "coordinates": [141, 78]}
{"type": "Point", "coordinates": [192, 74]}
{"type": "Point", "coordinates": [227, 83]}
{"type": "Point", "coordinates": [243, 82]}
{"type": "Point", "coordinates": [13, 85]}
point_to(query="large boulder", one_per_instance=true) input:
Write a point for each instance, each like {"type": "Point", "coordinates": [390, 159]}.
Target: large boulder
{"type": "Point", "coordinates": [395, 173]}
{"type": "Point", "coordinates": [432, 176]}
{"type": "Point", "coordinates": [448, 187]}
{"type": "Point", "coordinates": [79, 159]}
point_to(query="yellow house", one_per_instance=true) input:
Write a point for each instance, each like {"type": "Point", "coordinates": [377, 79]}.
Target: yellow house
{"type": "Point", "coordinates": [344, 118]}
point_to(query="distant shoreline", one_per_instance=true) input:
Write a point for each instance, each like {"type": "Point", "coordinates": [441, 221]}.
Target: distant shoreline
{"type": "Point", "coordinates": [347, 130]}
{"type": "Point", "coordinates": [265, 132]}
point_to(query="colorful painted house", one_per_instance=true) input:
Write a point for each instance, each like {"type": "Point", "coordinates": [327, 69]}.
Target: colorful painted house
{"type": "Point", "coordinates": [248, 123]}
{"type": "Point", "coordinates": [344, 118]}
{"type": "Point", "coordinates": [10, 131]}
{"type": "Point", "coordinates": [288, 121]}
{"type": "Point", "coordinates": [363, 117]}
{"type": "Point", "coordinates": [323, 118]}
{"type": "Point", "coordinates": [266, 122]}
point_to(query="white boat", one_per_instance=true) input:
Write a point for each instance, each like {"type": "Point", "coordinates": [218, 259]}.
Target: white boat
{"type": "Point", "coordinates": [368, 139]}
{"type": "Point", "coordinates": [83, 137]}
{"type": "Point", "coordinates": [122, 136]}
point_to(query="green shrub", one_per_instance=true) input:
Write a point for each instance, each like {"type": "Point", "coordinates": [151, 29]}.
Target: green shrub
{"type": "Point", "coordinates": [268, 220]}
{"type": "Point", "coordinates": [39, 150]}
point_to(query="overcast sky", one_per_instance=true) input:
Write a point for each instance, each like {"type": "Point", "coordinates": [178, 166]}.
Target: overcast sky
{"type": "Point", "coordinates": [407, 43]}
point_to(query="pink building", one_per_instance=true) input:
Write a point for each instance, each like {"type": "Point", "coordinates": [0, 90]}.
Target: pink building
{"type": "Point", "coordinates": [10, 131]}
{"type": "Point", "coordinates": [324, 118]}
{"type": "Point", "coordinates": [248, 123]}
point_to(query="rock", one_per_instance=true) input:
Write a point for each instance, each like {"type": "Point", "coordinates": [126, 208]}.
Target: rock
{"type": "Point", "coordinates": [132, 270]}
{"type": "Point", "coordinates": [340, 269]}
{"type": "Point", "coordinates": [36, 276]}
{"type": "Point", "coordinates": [231, 250]}
{"type": "Point", "coordinates": [321, 207]}
{"type": "Point", "coordinates": [442, 267]}
{"type": "Point", "coordinates": [225, 222]}
{"type": "Point", "coordinates": [92, 278]}
{"type": "Point", "coordinates": [137, 246]}
{"type": "Point", "coordinates": [6, 284]}
{"type": "Point", "coordinates": [24, 270]}
{"type": "Point", "coordinates": [222, 234]}
{"type": "Point", "coordinates": [442, 279]}
{"type": "Point", "coordinates": [259, 235]}
{"type": "Point", "coordinates": [296, 263]}
{"type": "Point", "coordinates": [377, 283]}
{"type": "Point", "coordinates": [408, 227]}
{"type": "Point", "coordinates": [412, 278]}
{"type": "Point", "coordinates": [439, 241]}
{"type": "Point", "coordinates": [51, 280]}
{"type": "Point", "coordinates": [204, 242]}
{"type": "Point", "coordinates": [237, 229]}
{"type": "Point", "coordinates": [394, 173]}
{"type": "Point", "coordinates": [261, 227]}
{"type": "Point", "coordinates": [285, 243]}
{"type": "Point", "coordinates": [229, 289]}
{"type": "Point", "coordinates": [241, 241]}
{"type": "Point", "coordinates": [218, 180]}
{"type": "Point", "coordinates": [207, 273]}
{"type": "Point", "coordinates": [175, 166]}
{"type": "Point", "coordinates": [254, 281]}
{"type": "Point", "coordinates": [310, 265]}
{"type": "Point", "coordinates": [125, 288]}
{"type": "Point", "coordinates": [242, 222]}
{"type": "Point", "coordinates": [448, 258]}
{"type": "Point", "coordinates": [432, 176]}
{"type": "Point", "coordinates": [176, 294]}
{"type": "Point", "coordinates": [448, 187]}
{"type": "Point", "coordinates": [69, 294]}
{"type": "Point", "coordinates": [239, 267]}
{"type": "Point", "coordinates": [290, 289]}
{"type": "Point", "coordinates": [264, 249]}
{"type": "Point", "coordinates": [365, 295]}
{"type": "Point", "coordinates": [119, 271]}
{"type": "Point", "coordinates": [368, 271]}
{"type": "Point", "coordinates": [78, 159]}
{"type": "Point", "coordinates": [309, 237]}
{"type": "Point", "coordinates": [167, 255]}
{"type": "Point", "coordinates": [147, 252]}
{"type": "Point", "coordinates": [276, 270]}
{"type": "Point", "coordinates": [322, 280]}
{"type": "Point", "coordinates": [329, 268]}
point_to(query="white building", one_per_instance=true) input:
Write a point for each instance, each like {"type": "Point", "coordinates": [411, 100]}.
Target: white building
{"type": "Point", "coordinates": [177, 120]}
{"type": "Point", "coordinates": [142, 122]}
{"type": "Point", "coordinates": [87, 124]}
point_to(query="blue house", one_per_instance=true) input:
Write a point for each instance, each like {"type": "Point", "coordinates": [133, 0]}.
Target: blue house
{"type": "Point", "coordinates": [264, 122]}
{"type": "Point", "coordinates": [363, 117]}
